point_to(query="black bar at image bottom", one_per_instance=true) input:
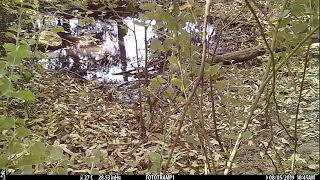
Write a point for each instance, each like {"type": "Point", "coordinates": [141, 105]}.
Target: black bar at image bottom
{"type": "Point", "coordinates": [160, 177]}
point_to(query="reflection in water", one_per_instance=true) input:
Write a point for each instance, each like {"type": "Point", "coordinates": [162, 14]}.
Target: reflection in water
{"type": "Point", "coordinates": [110, 51]}
{"type": "Point", "coordinates": [106, 49]}
{"type": "Point", "coordinates": [211, 31]}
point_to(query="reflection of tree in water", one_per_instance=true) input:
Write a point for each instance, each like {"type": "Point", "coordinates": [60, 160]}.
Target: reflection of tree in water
{"type": "Point", "coordinates": [79, 62]}
{"type": "Point", "coordinates": [122, 48]}
{"type": "Point", "coordinates": [108, 49]}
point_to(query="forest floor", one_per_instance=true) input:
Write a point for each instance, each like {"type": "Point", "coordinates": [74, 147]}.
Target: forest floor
{"type": "Point", "coordinates": [97, 126]}
{"type": "Point", "coordinates": [90, 121]}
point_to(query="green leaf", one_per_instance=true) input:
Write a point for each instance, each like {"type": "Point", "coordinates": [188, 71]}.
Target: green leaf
{"type": "Point", "coordinates": [173, 60]}
{"type": "Point", "coordinates": [155, 44]}
{"type": "Point", "coordinates": [131, 6]}
{"type": "Point", "coordinates": [213, 70]}
{"type": "Point", "coordinates": [148, 6]}
{"type": "Point", "coordinates": [156, 160]}
{"type": "Point", "coordinates": [3, 161]}
{"type": "Point", "coordinates": [176, 82]}
{"type": "Point", "coordinates": [57, 29]}
{"type": "Point", "coordinates": [61, 171]}
{"type": "Point", "coordinates": [296, 8]}
{"type": "Point", "coordinates": [49, 38]}
{"type": "Point", "coordinates": [180, 99]}
{"type": "Point", "coordinates": [155, 157]}
{"type": "Point", "coordinates": [229, 100]}
{"type": "Point", "coordinates": [56, 153]}
{"type": "Point", "coordinates": [9, 47]}
{"type": "Point", "coordinates": [33, 159]}
{"type": "Point", "coordinates": [3, 66]}
{"type": "Point", "coordinates": [160, 80]}
{"type": "Point", "coordinates": [92, 161]}
{"type": "Point", "coordinates": [25, 95]}
{"type": "Point", "coordinates": [168, 44]}
{"type": "Point", "coordinates": [246, 135]}
{"type": "Point", "coordinates": [190, 139]}
{"type": "Point", "coordinates": [26, 74]}
{"type": "Point", "coordinates": [19, 121]}
{"type": "Point", "coordinates": [27, 170]}
{"type": "Point", "coordinates": [230, 136]}
{"type": "Point", "coordinates": [14, 77]}
{"type": "Point", "coordinates": [38, 149]}
{"type": "Point", "coordinates": [169, 93]}
{"type": "Point", "coordinates": [97, 153]}
{"type": "Point", "coordinates": [221, 85]}
{"type": "Point", "coordinates": [24, 51]}
{"type": "Point", "coordinates": [15, 148]}
{"type": "Point", "coordinates": [11, 35]}
{"type": "Point", "coordinates": [299, 27]}
{"type": "Point", "coordinates": [95, 171]}
{"type": "Point", "coordinates": [10, 10]}
{"type": "Point", "coordinates": [6, 123]}
{"type": "Point", "coordinates": [221, 110]}
{"type": "Point", "coordinates": [22, 132]}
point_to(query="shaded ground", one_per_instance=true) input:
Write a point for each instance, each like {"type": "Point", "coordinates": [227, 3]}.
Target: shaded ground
{"type": "Point", "coordinates": [84, 117]}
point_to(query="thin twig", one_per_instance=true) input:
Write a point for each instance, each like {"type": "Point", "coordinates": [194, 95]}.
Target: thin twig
{"type": "Point", "coordinates": [269, 120]}
{"type": "Point", "coordinates": [257, 98]}
{"type": "Point", "coordinates": [205, 135]}
{"type": "Point", "coordinates": [195, 87]}
{"type": "Point", "coordinates": [297, 110]}
{"type": "Point", "coordinates": [141, 119]}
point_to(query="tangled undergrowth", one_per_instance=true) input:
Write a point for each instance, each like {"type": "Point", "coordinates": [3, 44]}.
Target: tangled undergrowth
{"type": "Point", "coordinates": [100, 134]}
{"type": "Point", "coordinates": [97, 130]}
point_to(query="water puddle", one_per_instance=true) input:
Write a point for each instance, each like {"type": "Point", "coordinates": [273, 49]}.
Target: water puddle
{"type": "Point", "coordinates": [103, 50]}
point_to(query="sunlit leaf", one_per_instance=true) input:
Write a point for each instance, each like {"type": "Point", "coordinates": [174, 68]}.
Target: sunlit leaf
{"type": "Point", "coordinates": [15, 147]}
{"type": "Point", "coordinates": [22, 132]}
{"type": "Point", "coordinates": [25, 95]}
{"type": "Point", "coordinates": [10, 47]}
{"type": "Point", "coordinates": [14, 77]}
{"type": "Point", "coordinates": [61, 171]}
{"type": "Point", "coordinates": [92, 161]}
{"type": "Point", "coordinates": [33, 159]}
{"type": "Point", "coordinates": [148, 6]}
{"type": "Point", "coordinates": [299, 27]}
{"type": "Point", "coordinates": [5, 86]}
{"type": "Point", "coordinates": [39, 149]}
{"type": "Point", "coordinates": [6, 122]}
{"type": "Point", "coordinates": [11, 35]}
{"type": "Point", "coordinates": [3, 161]}
{"type": "Point", "coordinates": [27, 170]}
{"type": "Point", "coordinates": [95, 171]}
{"type": "Point", "coordinates": [160, 80]}
{"type": "Point", "coordinates": [56, 153]}
{"type": "Point", "coordinates": [57, 29]}
{"type": "Point", "coordinates": [177, 82]}
{"type": "Point", "coordinates": [180, 99]}
{"type": "Point", "coordinates": [49, 38]}
{"type": "Point", "coordinates": [246, 135]}
{"type": "Point", "coordinates": [155, 157]}
{"type": "Point", "coordinates": [173, 60]}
